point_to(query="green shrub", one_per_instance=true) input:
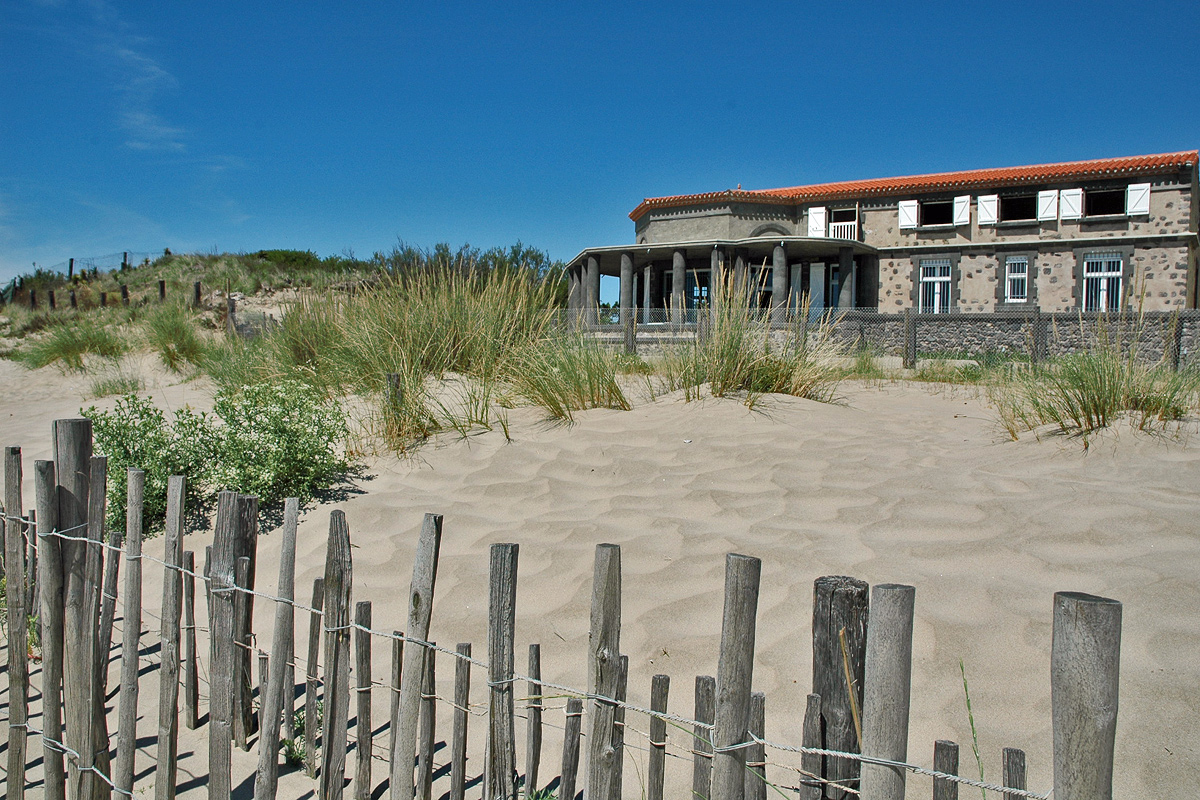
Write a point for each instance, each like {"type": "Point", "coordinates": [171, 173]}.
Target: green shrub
{"type": "Point", "coordinates": [278, 440]}
{"type": "Point", "coordinates": [733, 354]}
{"type": "Point", "coordinates": [1083, 392]}
{"type": "Point", "coordinates": [273, 441]}
{"type": "Point", "coordinates": [136, 434]}
{"type": "Point", "coordinates": [68, 343]}
{"type": "Point", "coordinates": [172, 332]}
{"type": "Point", "coordinates": [567, 374]}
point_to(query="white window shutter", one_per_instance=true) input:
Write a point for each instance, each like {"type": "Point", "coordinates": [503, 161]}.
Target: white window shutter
{"type": "Point", "coordinates": [1070, 204]}
{"type": "Point", "coordinates": [908, 213]}
{"type": "Point", "coordinates": [989, 205]}
{"type": "Point", "coordinates": [1047, 206]}
{"type": "Point", "coordinates": [962, 210]}
{"type": "Point", "coordinates": [816, 221]}
{"type": "Point", "coordinates": [1137, 199]}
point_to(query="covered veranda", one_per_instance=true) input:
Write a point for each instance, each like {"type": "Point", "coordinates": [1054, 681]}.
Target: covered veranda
{"type": "Point", "coordinates": [662, 282]}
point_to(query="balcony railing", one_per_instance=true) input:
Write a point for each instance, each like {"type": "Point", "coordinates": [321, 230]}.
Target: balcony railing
{"type": "Point", "coordinates": [843, 230]}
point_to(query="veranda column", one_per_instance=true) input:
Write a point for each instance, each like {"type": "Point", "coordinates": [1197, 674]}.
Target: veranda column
{"type": "Point", "coordinates": [573, 294]}
{"type": "Point", "coordinates": [716, 272]}
{"type": "Point", "coordinates": [678, 285]}
{"type": "Point", "coordinates": [846, 276]}
{"type": "Point", "coordinates": [779, 281]}
{"type": "Point", "coordinates": [592, 292]}
{"type": "Point", "coordinates": [626, 287]}
{"type": "Point", "coordinates": [647, 273]}
{"type": "Point", "coordinates": [739, 271]}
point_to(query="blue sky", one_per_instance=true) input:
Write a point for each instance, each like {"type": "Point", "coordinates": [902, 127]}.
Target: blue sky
{"type": "Point", "coordinates": [335, 127]}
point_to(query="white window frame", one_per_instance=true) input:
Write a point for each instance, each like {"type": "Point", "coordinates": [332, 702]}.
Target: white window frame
{"type": "Point", "coordinates": [1013, 278]}
{"type": "Point", "coordinates": [935, 276]}
{"type": "Point", "coordinates": [1103, 275]}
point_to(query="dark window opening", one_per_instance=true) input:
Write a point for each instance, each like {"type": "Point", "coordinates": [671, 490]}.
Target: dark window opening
{"type": "Point", "coordinates": [1018, 208]}
{"type": "Point", "coordinates": [937, 212]}
{"type": "Point", "coordinates": [844, 215]}
{"type": "Point", "coordinates": [1100, 204]}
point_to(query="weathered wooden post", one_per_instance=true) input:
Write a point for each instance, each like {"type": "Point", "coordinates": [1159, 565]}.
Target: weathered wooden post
{"type": "Point", "coordinates": [910, 339]}
{"type": "Point", "coordinates": [364, 736]}
{"type": "Point", "coordinates": [196, 294]}
{"type": "Point", "coordinates": [73, 466]}
{"type": "Point", "coordinates": [735, 672]}
{"type": "Point", "coordinates": [886, 689]}
{"type": "Point", "coordinates": [1085, 662]}
{"type": "Point", "coordinates": [70, 268]}
{"type": "Point", "coordinates": [131, 633]}
{"type": "Point", "coordinates": [397, 675]}
{"type": "Point", "coordinates": [570, 752]}
{"type": "Point", "coordinates": [221, 664]}
{"type": "Point", "coordinates": [840, 603]}
{"type": "Point", "coordinates": [462, 701]}
{"type": "Point", "coordinates": [266, 779]}
{"type": "Point", "coordinates": [1013, 771]}
{"type": "Point", "coordinates": [33, 300]}
{"type": "Point", "coordinates": [51, 299]}
{"type": "Point", "coordinates": [242, 709]}
{"type": "Point", "coordinates": [230, 316]}
{"type": "Point", "coordinates": [18, 631]}
{"type": "Point", "coordinates": [619, 730]}
{"type": "Point", "coordinates": [660, 687]}
{"type": "Point", "coordinates": [428, 724]}
{"type": "Point", "coordinates": [604, 671]}
{"type": "Point", "coordinates": [191, 672]}
{"type": "Point", "coordinates": [533, 720]}
{"type": "Point", "coordinates": [50, 568]}
{"type": "Point", "coordinates": [811, 787]}
{"type": "Point", "coordinates": [162, 290]}
{"type": "Point", "coordinates": [945, 759]}
{"type": "Point", "coordinates": [756, 754]}
{"type": "Point", "coordinates": [419, 610]}
{"type": "Point", "coordinates": [168, 671]}
{"type": "Point", "coordinates": [245, 547]}
{"type": "Point", "coordinates": [124, 295]}
{"type": "Point", "coordinates": [501, 769]}
{"type": "Point", "coordinates": [338, 578]}
{"type": "Point", "coordinates": [311, 682]}
{"type": "Point", "coordinates": [103, 299]}
{"type": "Point", "coordinates": [706, 699]}
{"type": "Point", "coordinates": [74, 299]}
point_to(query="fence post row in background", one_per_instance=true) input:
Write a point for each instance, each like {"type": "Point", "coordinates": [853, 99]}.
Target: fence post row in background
{"type": "Point", "coordinates": [729, 726]}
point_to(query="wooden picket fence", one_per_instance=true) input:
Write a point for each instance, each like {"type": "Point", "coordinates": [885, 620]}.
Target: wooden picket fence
{"type": "Point", "coordinates": [61, 568]}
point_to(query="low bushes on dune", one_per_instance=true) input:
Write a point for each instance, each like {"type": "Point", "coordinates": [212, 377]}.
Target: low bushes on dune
{"type": "Point", "coordinates": [734, 354]}
{"type": "Point", "coordinates": [1084, 392]}
{"type": "Point", "coordinates": [67, 343]}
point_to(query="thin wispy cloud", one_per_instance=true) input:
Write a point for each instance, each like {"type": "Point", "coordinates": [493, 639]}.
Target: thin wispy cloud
{"type": "Point", "coordinates": [141, 82]}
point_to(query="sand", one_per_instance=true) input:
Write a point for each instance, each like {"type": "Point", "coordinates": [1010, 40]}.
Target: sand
{"type": "Point", "coordinates": [899, 483]}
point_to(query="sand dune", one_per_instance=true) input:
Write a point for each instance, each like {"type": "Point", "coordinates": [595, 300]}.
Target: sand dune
{"type": "Point", "coordinates": [900, 483]}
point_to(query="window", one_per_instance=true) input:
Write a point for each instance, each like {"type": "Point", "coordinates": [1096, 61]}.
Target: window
{"type": "Point", "coordinates": [936, 212]}
{"type": "Point", "coordinates": [1102, 281]}
{"type": "Point", "coordinates": [1016, 279]}
{"type": "Point", "coordinates": [844, 215]}
{"type": "Point", "coordinates": [1019, 208]}
{"type": "Point", "coordinates": [1104, 202]}
{"type": "Point", "coordinates": [935, 286]}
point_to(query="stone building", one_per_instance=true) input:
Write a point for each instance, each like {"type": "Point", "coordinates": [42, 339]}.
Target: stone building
{"type": "Point", "coordinates": [1105, 234]}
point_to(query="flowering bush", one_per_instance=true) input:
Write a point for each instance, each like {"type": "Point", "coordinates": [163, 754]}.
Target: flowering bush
{"type": "Point", "coordinates": [136, 434]}
{"type": "Point", "coordinates": [270, 440]}
{"type": "Point", "coordinates": [279, 440]}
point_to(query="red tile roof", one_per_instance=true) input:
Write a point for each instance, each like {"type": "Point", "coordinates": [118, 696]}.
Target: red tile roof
{"type": "Point", "coordinates": [974, 178]}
